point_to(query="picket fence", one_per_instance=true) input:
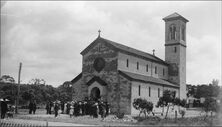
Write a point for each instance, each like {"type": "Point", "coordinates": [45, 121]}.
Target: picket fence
{"type": "Point", "coordinates": [11, 123]}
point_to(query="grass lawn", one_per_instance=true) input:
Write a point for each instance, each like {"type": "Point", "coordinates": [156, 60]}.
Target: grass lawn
{"type": "Point", "coordinates": [191, 121]}
{"type": "Point", "coordinates": [110, 121]}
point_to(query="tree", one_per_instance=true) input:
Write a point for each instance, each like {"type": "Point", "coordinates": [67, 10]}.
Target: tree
{"type": "Point", "coordinates": [8, 90]}
{"type": "Point", "coordinates": [210, 104]}
{"type": "Point", "coordinates": [37, 81]}
{"type": "Point", "coordinates": [215, 82]}
{"type": "Point", "coordinates": [67, 84]}
{"type": "Point", "coordinates": [7, 79]}
{"type": "Point", "coordinates": [28, 95]}
{"type": "Point", "coordinates": [191, 90]}
{"type": "Point", "coordinates": [65, 91]}
{"type": "Point", "coordinates": [211, 90]}
{"type": "Point", "coordinates": [168, 99]}
{"type": "Point", "coordinates": [143, 106]}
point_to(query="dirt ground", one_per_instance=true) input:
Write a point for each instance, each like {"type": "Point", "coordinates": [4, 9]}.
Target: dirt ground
{"type": "Point", "coordinates": [83, 120]}
{"type": "Point", "coordinates": [192, 117]}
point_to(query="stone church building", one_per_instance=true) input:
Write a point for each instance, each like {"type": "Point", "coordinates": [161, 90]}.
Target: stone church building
{"type": "Point", "coordinates": [118, 74]}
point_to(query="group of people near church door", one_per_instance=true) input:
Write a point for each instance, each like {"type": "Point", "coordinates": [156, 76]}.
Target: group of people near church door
{"type": "Point", "coordinates": [79, 108]}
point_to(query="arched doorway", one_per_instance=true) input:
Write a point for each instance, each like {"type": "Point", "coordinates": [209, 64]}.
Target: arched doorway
{"type": "Point", "coordinates": [95, 93]}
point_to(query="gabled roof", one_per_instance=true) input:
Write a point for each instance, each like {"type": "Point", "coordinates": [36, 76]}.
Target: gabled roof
{"type": "Point", "coordinates": [147, 79]}
{"type": "Point", "coordinates": [98, 79]}
{"type": "Point", "coordinates": [124, 49]}
{"type": "Point", "coordinates": [77, 78]}
{"type": "Point", "coordinates": [175, 16]}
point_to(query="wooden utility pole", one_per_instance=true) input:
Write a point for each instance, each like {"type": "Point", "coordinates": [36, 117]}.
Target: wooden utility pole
{"type": "Point", "coordinates": [17, 99]}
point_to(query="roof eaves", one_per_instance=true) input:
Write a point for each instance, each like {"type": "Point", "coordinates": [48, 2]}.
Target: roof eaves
{"type": "Point", "coordinates": [174, 16]}
{"type": "Point", "coordinates": [134, 79]}
{"type": "Point", "coordinates": [89, 47]}
{"type": "Point", "coordinates": [76, 78]}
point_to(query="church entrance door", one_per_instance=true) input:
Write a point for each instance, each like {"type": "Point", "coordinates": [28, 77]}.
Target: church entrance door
{"type": "Point", "coordinates": [95, 93]}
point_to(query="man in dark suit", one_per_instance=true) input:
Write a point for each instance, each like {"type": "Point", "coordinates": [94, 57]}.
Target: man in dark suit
{"type": "Point", "coordinates": [4, 108]}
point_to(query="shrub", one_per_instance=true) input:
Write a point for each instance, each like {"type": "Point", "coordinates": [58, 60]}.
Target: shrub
{"type": "Point", "coordinates": [183, 102]}
{"type": "Point", "coordinates": [119, 115]}
{"type": "Point", "coordinates": [177, 101]}
{"type": "Point", "coordinates": [143, 105]}
{"type": "Point", "coordinates": [169, 98]}
{"type": "Point", "coordinates": [182, 113]}
{"type": "Point", "coordinates": [210, 104]}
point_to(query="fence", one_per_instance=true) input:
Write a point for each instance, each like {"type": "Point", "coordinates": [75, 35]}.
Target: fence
{"type": "Point", "coordinates": [16, 123]}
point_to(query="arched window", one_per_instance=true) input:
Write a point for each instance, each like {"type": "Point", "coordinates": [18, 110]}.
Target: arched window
{"type": "Point", "coordinates": [172, 32]}
{"type": "Point", "coordinates": [127, 62]}
{"type": "Point", "coordinates": [175, 49]}
{"type": "Point", "coordinates": [183, 33]}
{"type": "Point", "coordinates": [137, 65]}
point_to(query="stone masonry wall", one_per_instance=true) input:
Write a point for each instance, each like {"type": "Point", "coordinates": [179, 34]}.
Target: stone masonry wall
{"type": "Point", "coordinates": [125, 95]}
{"type": "Point", "coordinates": [77, 94]}
{"type": "Point", "coordinates": [108, 74]}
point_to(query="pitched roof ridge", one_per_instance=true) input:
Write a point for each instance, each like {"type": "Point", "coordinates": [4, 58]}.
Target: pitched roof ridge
{"type": "Point", "coordinates": [174, 15]}
{"type": "Point", "coordinates": [132, 49]}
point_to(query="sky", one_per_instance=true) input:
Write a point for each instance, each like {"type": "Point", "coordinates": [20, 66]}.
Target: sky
{"type": "Point", "coordinates": [48, 36]}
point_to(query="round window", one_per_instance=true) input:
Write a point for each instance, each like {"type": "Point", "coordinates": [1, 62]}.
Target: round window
{"type": "Point", "coordinates": [99, 64]}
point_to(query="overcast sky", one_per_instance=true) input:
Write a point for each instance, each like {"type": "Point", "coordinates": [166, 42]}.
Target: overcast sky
{"type": "Point", "coordinates": [47, 37]}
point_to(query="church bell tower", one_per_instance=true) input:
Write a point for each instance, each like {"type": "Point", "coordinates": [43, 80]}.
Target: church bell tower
{"type": "Point", "coordinates": [175, 50]}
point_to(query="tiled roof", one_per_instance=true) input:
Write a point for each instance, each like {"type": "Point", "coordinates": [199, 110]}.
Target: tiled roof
{"type": "Point", "coordinates": [148, 79]}
{"type": "Point", "coordinates": [126, 49]}
{"type": "Point", "coordinates": [173, 16]}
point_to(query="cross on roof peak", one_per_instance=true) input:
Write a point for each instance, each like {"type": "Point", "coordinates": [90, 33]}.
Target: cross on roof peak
{"type": "Point", "coordinates": [153, 52]}
{"type": "Point", "coordinates": [99, 31]}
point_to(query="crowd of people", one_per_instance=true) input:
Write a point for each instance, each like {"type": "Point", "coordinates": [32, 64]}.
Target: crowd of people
{"type": "Point", "coordinates": [94, 108]}
{"type": "Point", "coordinates": [90, 107]}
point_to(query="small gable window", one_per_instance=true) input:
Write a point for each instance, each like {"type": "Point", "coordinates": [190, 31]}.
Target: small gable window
{"type": "Point", "coordinates": [183, 33]}
{"type": "Point", "coordinates": [137, 65]}
{"type": "Point", "coordinates": [127, 63]}
{"type": "Point", "coordinates": [149, 91]}
{"type": "Point", "coordinates": [158, 92]}
{"type": "Point", "coordinates": [155, 69]}
{"type": "Point", "coordinates": [147, 68]}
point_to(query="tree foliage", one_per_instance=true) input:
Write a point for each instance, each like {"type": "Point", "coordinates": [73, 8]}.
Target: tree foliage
{"type": "Point", "coordinates": [37, 81]}
{"type": "Point", "coordinates": [169, 97]}
{"type": "Point", "coordinates": [28, 95]}
{"type": "Point", "coordinates": [38, 91]}
{"type": "Point", "coordinates": [210, 104]}
{"type": "Point", "coordinates": [210, 90]}
{"type": "Point", "coordinates": [143, 105]}
{"type": "Point", "coordinates": [65, 91]}
{"type": "Point", "coordinates": [7, 79]}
